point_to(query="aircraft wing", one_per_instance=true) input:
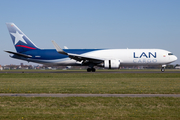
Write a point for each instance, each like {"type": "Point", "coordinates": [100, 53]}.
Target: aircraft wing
{"type": "Point", "coordinates": [81, 57]}
{"type": "Point", "coordinates": [76, 56]}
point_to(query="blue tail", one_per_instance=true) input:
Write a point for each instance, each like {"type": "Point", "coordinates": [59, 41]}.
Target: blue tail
{"type": "Point", "coordinates": [21, 42]}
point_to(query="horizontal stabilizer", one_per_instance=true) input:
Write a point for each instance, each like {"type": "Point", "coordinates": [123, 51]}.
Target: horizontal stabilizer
{"type": "Point", "coordinates": [19, 54]}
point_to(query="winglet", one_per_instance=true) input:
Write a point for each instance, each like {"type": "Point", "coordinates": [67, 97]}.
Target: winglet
{"type": "Point", "coordinates": [58, 49]}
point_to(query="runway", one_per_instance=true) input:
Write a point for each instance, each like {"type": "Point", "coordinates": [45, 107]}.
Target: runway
{"type": "Point", "coordinates": [77, 71]}
{"type": "Point", "coordinates": [87, 95]}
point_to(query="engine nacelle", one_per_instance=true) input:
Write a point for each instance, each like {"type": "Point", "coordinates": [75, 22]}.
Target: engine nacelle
{"type": "Point", "coordinates": [111, 64]}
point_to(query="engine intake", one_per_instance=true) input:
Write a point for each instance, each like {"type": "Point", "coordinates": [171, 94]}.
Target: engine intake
{"type": "Point", "coordinates": [112, 64]}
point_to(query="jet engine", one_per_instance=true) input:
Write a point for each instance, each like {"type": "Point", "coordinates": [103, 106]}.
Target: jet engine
{"type": "Point", "coordinates": [111, 64]}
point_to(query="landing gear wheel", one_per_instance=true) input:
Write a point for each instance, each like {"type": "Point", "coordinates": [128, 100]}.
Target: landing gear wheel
{"type": "Point", "coordinates": [162, 69]}
{"type": "Point", "coordinates": [93, 70]}
{"type": "Point", "coordinates": [89, 70]}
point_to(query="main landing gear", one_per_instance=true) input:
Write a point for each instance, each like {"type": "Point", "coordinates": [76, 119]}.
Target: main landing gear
{"type": "Point", "coordinates": [163, 68]}
{"type": "Point", "coordinates": [91, 69]}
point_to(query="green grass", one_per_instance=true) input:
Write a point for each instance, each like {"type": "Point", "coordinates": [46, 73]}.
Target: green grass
{"type": "Point", "coordinates": [114, 83]}
{"type": "Point", "coordinates": [89, 108]}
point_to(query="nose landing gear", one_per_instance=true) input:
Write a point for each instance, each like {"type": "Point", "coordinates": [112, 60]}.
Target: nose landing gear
{"type": "Point", "coordinates": [163, 68]}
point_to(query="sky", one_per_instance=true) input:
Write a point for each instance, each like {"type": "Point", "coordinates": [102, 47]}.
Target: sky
{"type": "Point", "coordinates": [92, 24]}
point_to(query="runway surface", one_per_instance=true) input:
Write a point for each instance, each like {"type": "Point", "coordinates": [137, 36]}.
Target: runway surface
{"type": "Point", "coordinates": [88, 95]}
{"type": "Point", "coordinates": [74, 71]}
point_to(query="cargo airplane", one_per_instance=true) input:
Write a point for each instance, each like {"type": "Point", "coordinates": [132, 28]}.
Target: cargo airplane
{"type": "Point", "coordinates": [107, 58]}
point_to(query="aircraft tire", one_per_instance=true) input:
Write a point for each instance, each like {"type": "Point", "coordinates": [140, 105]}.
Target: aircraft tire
{"type": "Point", "coordinates": [89, 70]}
{"type": "Point", "coordinates": [162, 69]}
{"type": "Point", "coordinates": [93, 70]}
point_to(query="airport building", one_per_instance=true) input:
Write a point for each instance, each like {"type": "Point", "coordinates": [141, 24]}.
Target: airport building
{"type": "Point", "coordinates": [1, 68]}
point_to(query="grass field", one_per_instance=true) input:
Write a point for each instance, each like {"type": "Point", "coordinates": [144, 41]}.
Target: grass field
{"type": "Point", "coordinates": [114, 83]}
{"type": "Point", "coordinates": [90, 107]}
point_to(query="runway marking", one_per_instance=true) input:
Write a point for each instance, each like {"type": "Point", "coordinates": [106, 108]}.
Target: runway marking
{"type": "Point", "coordinates": [87, 95]}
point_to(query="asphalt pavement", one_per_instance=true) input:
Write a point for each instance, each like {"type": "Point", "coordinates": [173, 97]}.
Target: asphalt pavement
{"type": "Point", "coordinates": [74, 71]}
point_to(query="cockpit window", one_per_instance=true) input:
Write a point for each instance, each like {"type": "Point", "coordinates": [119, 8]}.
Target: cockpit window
{"type": "Point", "coordinates": [170, 53]}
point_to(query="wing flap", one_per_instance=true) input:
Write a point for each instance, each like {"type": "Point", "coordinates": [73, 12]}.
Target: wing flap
{"type": "Point", "coordinates": [81, 57]}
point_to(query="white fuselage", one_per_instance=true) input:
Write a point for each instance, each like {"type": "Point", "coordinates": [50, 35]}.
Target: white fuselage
{"type": "Point", "coordinates": [128, 56]}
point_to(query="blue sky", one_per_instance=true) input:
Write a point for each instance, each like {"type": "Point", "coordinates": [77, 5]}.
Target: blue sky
{"type": "Point", "coordinates": [92, 24]}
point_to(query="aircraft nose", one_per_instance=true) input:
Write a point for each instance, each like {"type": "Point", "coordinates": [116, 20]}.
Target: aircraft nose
{"type": "Point", "coordinates": [175, 58]}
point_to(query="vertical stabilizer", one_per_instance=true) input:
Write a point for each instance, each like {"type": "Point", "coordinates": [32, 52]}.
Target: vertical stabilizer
{"type": "Point", "coordinates": [21, 42]}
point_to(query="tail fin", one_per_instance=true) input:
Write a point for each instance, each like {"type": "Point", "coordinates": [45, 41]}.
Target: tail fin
{"type": "Point", "coordinates": [21, 42]}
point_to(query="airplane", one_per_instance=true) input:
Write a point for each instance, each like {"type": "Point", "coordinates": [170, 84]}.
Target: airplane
{"type": "Point", "coordinates": [107, 58]}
